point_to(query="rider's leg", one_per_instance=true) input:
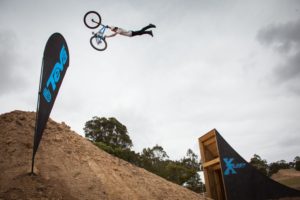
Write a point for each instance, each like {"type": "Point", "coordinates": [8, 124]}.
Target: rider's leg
{"type": "Point", "coordinates": [147, 27]}
{"type": "Point", "coordinates": [141, 32]}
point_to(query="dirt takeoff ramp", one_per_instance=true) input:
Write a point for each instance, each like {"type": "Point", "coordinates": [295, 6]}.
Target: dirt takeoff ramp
{"type": "Point", "coordinates": [70, 167]}
{"type": "Point", "coordinates": [229, 177]}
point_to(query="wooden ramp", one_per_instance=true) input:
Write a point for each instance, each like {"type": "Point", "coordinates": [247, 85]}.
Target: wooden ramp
{"type": "Point", "coordinates": [229, 177]}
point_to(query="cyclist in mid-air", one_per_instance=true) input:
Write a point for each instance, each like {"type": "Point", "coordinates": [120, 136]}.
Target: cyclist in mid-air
{"type": "Point", "coordinates": [121, 31]}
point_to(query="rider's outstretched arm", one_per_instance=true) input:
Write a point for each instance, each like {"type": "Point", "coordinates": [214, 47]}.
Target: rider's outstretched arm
{"type": "Point", "coordinates": [112, 35]}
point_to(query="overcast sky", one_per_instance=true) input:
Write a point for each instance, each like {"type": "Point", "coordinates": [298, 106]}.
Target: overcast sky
{"type": "Point", "coordinates": [230, 65]}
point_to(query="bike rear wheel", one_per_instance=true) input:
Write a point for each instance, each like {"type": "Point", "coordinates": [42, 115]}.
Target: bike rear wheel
{"type": "Point", "coordinates": [98, 43]}
{"type": "Point", "coordinates": [92, 19]}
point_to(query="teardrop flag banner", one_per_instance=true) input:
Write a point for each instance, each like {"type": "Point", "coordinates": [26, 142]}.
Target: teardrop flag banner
{"type": "Point", "coordinates": [54, 66]}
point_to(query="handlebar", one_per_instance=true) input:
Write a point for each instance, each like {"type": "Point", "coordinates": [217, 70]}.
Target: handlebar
{"type": "Point", "coordinates": [95, 21]}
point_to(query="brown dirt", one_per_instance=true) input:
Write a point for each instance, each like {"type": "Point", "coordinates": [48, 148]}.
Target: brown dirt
{"type": "Point", "coordinates": [285, 173]}
{"type": "Point", "coordinates": [70, 167]}
{"type": "Point", "coordinates": [288, 177]}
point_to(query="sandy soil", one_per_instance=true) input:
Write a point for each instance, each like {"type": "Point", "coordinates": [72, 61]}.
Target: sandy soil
{"type": "Point", "coordinates": [285, 174]}
{"type": "Point", "coordinates": [288, 177]}
{"type": "Point", "coordinates": [69, 167]}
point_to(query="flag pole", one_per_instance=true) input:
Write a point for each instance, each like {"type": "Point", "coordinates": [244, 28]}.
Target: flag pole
{"type": "Point", "coordinates": [34, 148]}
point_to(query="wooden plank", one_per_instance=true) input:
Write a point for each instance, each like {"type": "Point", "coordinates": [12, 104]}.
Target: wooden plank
{"type": "Point", "coordinates": [216, 167]}
{"type": "Point", "coordinates": [212, 162]}
{"type": "Point", "coordinates": [201, 147]}
{"type": "Point", "coordinates": [207, 183]}
{"type": "Point", "coordinates": [207, 135]}
{"type": "Point", "coordinates": [209, 141]}
{"type": "Point", "coordinates": [219, 185]}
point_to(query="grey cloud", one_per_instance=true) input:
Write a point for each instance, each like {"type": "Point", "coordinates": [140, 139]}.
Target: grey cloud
{"type": "Point", "coordinates": [7, 40]}
{"type": "Point", "coordinates": [290, 69]}
{"type": "Point", "coordinates": [291, 141]}
{"type": "Point", "coordinates": [9, 79]}
{"type": "Point", "coordinates": [282, 37]}
{"type": "Point", "coordinates": [285, 39]}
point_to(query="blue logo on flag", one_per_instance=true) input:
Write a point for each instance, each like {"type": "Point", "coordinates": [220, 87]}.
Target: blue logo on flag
{"type": "Point", "coordinates": [55, 74]}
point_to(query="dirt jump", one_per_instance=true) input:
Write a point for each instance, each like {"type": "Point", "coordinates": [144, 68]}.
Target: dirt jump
{"type": "Point", "coordinates": [68, 166]}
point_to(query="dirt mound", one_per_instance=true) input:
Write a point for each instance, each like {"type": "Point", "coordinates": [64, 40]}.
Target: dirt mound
{"type": "Point", "coordinates": [285, 173]}
{"type": "Point", "coordinates": [288, 177]}
{"type": "Point", "coordinates": [70, 167]}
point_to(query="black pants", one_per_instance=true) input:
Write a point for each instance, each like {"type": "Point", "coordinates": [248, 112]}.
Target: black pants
{"type": "Point", "coordinates": [143, 31]}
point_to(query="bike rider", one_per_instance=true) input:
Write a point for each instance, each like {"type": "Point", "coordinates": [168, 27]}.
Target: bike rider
{"type": "Point", "coordinates": [121, 31]}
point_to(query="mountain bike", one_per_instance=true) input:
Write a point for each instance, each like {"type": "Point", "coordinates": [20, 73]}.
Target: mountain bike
{"type": "Point", "coordinates": [92, 20]}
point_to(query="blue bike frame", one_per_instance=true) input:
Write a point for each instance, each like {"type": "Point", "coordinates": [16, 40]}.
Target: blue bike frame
{"type": "Point", "coordinates": [100, 33]}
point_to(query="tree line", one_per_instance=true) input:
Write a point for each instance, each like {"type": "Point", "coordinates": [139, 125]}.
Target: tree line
{"type": "Point", "coordinates": [112, 136]}
{"type": "Point", "coordinates": [269, 169]}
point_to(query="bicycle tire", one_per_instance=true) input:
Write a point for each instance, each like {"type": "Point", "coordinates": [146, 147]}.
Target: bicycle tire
{"type": "Point", "coordinates": [96, 45]}
{"type": "Point", "coordinates": [89, 17]}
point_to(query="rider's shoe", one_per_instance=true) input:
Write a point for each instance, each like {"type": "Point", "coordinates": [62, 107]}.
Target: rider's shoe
{"type": "Point", "coordinates": [152, 26]}
{"type": "Point", "coordinates": [150, 33]}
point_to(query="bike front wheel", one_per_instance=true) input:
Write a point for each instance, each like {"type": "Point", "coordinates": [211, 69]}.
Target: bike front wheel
{"type": "Point", "coordinates": [92, 19]}
{"type": "Point", "coordinates": [98, 43]}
